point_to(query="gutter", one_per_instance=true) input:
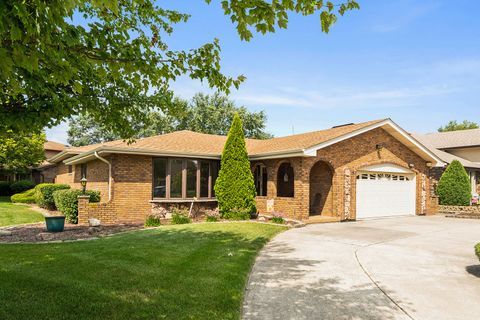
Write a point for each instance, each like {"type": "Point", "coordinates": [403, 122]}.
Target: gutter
{"type": "Point", "coordinates": [109, 174]}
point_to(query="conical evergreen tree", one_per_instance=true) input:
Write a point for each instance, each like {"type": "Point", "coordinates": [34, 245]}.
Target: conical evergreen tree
{"type": "Point", "coordinates": [454, 187]}
{"type": "Point", "coordinates": [235, 188]}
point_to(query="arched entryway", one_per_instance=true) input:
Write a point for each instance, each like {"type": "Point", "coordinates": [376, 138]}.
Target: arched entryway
{"type": "Point", "coordinates": [321, 196]}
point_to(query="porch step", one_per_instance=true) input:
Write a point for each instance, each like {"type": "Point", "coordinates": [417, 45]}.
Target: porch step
{"type": "Point", "coordinates": [321, 219]}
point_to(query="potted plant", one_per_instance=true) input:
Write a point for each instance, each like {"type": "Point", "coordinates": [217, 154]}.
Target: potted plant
{"type": "Point", "coordinates": [55, 223]}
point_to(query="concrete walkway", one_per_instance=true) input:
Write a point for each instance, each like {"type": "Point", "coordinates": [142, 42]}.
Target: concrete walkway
{"type": "Point", "coordinates": [398, 268]}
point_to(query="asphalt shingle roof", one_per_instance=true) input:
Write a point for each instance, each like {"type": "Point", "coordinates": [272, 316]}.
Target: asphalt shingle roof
{"type": "Point", "coordinates": [189, 142]}
{"type": "Point", "coordinates": [453, 139]}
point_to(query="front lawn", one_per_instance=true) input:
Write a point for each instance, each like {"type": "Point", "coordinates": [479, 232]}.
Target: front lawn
{"type": "Point", "coordinates": [196, 271]}
{"type": "Point", "coordinates": [11, 214]}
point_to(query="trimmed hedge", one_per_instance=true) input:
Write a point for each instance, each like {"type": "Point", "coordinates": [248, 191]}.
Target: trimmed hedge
{"type": "Point", "coordinates": [66, 202]}
{"type": "Point", "coordinates": [21, 186]}
{"type": "Point", "coordinates": [454, 188]}
{"type": "Point", "coordinates": [44, 194]}
{"type": "Point", "coordinates": [477, 250]}
{"type": "Point", "coordinates": [24, 197]}
{"type": "Point", "coordinates": [5, 188]}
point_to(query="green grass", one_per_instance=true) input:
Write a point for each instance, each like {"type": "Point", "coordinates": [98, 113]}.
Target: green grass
{"type": "Point", "coordinates": [194, 271]}
{"type": "Point", "coordinates": [11, 214]}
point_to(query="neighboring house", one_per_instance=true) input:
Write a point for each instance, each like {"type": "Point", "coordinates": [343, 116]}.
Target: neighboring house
{"type": "Point", "coordinates": [348, 172]}
{"type": "Point", "coordinates": [45, 172]}
{"type": "Point", "coordinates": [462, 145]}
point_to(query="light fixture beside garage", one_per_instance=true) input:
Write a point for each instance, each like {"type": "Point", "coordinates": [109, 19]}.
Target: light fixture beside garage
{"type": "Point", "coordinates": [429, 164]}
{"type": "Point", "coordinates": [411, 165]}
{"type": "Point", "coordinates": [379, 147]}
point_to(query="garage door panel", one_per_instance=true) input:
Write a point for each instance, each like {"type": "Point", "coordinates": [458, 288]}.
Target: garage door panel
{"type": "Point", "coordinates": [382, 195]}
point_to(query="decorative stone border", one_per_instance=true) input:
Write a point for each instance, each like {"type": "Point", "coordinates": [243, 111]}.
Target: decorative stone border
{"type": "Point", "coordinates": [468, 212]}
{"type": "Point", "coordinates": [463, 209]}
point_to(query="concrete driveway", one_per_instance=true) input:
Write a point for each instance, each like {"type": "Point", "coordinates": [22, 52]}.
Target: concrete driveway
{"type": "Point", "coordinates": [398, 268]}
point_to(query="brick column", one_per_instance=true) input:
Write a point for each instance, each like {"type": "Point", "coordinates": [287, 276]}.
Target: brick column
{"type": "Point", "coordinates": [83, 202]}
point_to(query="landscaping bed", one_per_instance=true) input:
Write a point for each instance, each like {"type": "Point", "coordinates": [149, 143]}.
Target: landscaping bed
{"type": "Point", "coordinates": [37, 232]}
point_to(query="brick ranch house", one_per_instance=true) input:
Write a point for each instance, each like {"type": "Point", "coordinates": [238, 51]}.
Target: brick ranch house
{"type": "Point", "coordinates": [348, 172]}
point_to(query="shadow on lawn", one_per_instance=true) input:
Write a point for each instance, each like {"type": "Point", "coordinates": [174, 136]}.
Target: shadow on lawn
{"type": "Point", "coordinates": [173, 273]}
{"type": "Point", "coordinates": [283, 288]}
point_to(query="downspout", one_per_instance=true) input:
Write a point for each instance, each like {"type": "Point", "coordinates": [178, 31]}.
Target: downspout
{"type": "Point", "coordinates": [109, 174]}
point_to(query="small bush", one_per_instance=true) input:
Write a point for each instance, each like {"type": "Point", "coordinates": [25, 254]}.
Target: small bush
{"type": "Point", "coordinates": [24, 197]}
{"type": "Point", "coordinates": [22, 185]}
{"type": "Point", "coordinates": [454, 187]}
{"type": "Point", "coordinates": [238, 214]}
{"type": "Point", "coordinates": [44, 194]}
{"type": "Point", "coordinates": [211, 219]}
{"type": "Point", "coordinates": [180, 216]}
{"type": "Point", "coordinates": [66, 202]}
{"type": "Point", "coordinates": [5, 188]}
{"type": "Point", "coordinates": [277, 217]}
{"type": "Point", "coordinates": [477, 250]}
{"type": "Point", "coordinates": [212, 215]}
{"type": "Point", "coordinates": [152, 221]}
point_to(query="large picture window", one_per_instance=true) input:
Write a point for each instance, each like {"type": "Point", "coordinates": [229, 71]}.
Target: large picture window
{"type": "Point", "coordinates": [260, 178]}
{"type": "Point", "coordinates": [183, 178]}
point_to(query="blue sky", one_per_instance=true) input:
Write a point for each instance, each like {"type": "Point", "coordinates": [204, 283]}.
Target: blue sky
{"type": "Point", "coordinates": [417, 62]}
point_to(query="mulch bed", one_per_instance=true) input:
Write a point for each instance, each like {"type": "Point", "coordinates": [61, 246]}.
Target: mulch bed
{"type": "Point", "coordinates": [33, 233]}
{"type": "Point", "coordinates": [38, 233]}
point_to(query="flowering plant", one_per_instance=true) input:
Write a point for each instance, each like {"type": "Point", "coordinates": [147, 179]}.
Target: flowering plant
{"type": "Point", "coordinates": [277, 217]}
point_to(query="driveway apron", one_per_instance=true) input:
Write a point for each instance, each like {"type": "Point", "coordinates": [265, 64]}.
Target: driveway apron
{"type": "Point", "coordinates": [398, 268]}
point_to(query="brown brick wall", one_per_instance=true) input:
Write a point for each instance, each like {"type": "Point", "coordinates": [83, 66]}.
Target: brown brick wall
{"type": "Point", "coordinates": [97, 176]}
{"type": "Point", "coordinates": [105, 212]}
{"type": "Point", "coordinates": [132, 187]}
{"type": "Point", "coordinates": [350, 155]}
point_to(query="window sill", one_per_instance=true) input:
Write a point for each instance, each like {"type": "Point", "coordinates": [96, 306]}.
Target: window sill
{"type": "Point", "coordinates": [177, 200]}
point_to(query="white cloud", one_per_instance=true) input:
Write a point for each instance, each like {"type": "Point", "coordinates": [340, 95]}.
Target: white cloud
{"type": "Point", "coordinates": [325, 98]}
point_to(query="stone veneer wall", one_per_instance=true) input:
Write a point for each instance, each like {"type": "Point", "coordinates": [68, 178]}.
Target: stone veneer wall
{"type": "Point", "coordinates": [459, 209]}
{"type": "Point", "coordinates": [199, 207]}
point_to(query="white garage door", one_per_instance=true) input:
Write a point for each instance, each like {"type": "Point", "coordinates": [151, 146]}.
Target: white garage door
{"type": "Point", "coordinates": [384, 191]}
